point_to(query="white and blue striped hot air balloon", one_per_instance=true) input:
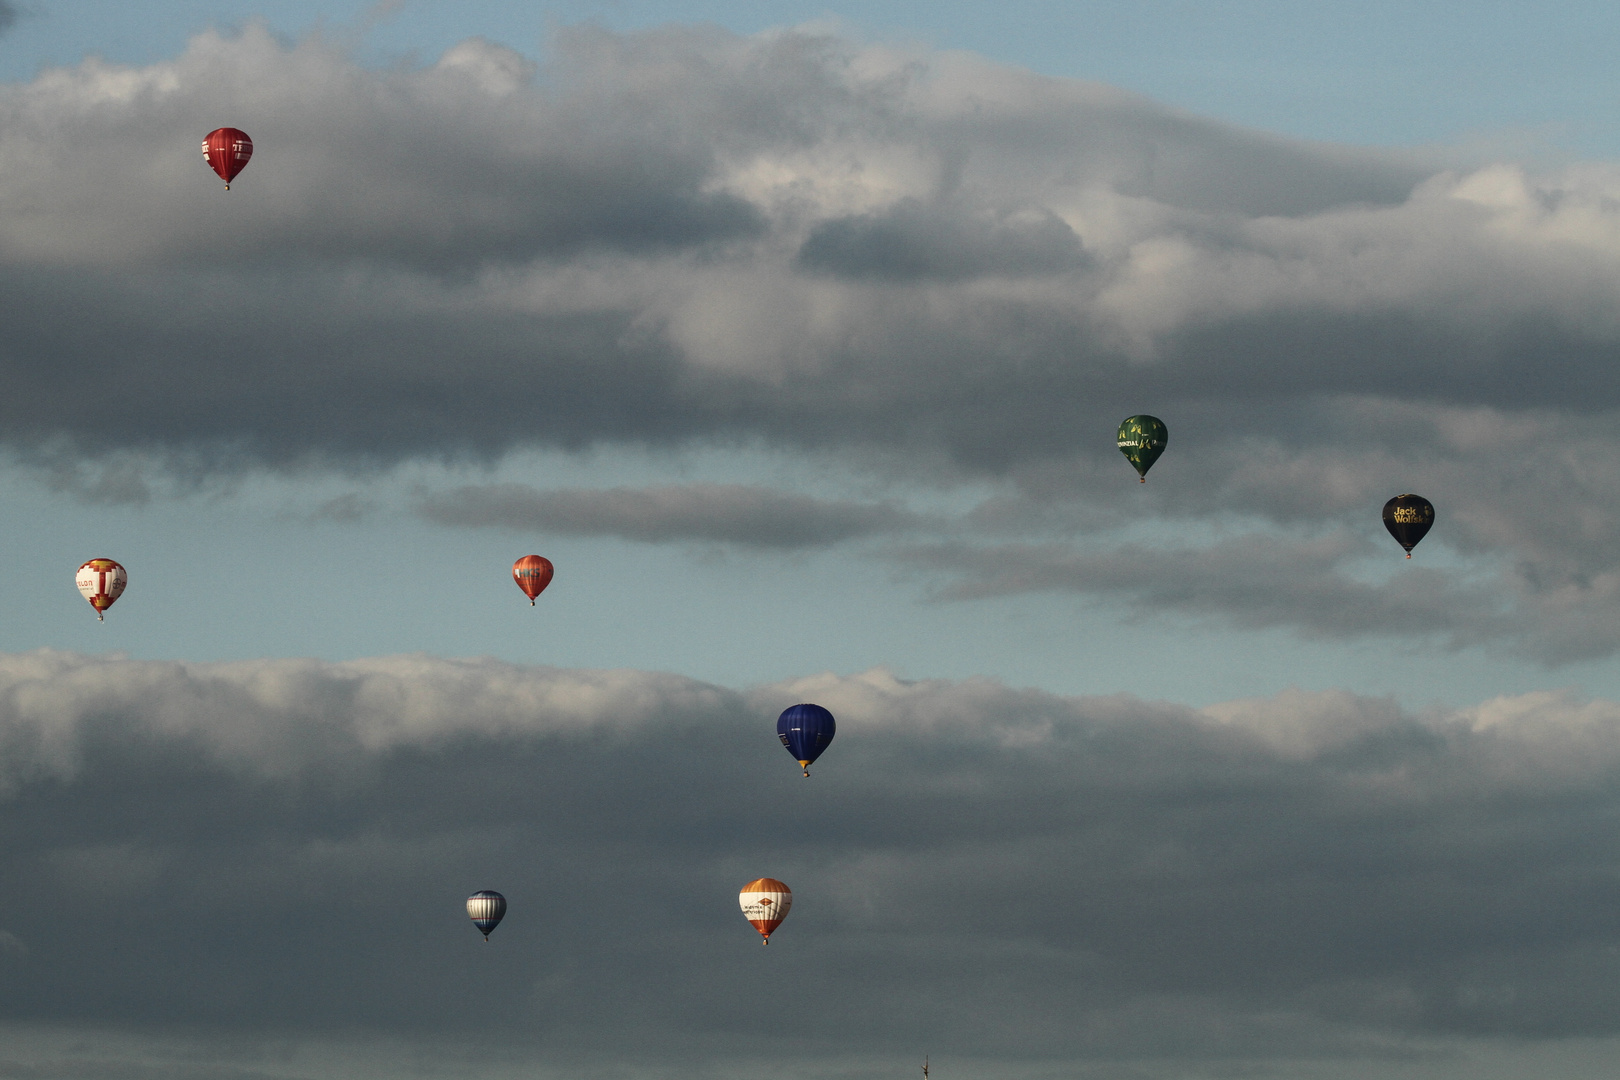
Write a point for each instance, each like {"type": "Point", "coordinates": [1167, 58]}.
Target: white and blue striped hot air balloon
{"type": "Point", "coordinates": [486, 908]}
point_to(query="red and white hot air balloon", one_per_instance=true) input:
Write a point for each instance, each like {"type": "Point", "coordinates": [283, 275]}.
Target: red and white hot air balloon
{"type": "Point", "coordinates": [532, 574]}
{"type": "Point", "coordinates": [227, 151]}
{"type": "Point", "coordinates": [101, 581]}
{"type": "Point", "coordinates": [765, 903]}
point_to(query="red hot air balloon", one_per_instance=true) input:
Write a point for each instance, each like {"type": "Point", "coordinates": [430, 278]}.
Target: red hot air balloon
{"type": "Point", "coordinates": [532, 574]}
{"type": "Point", "coordinates": [227, 151]}
{"type": "Point", "coordinates": [101, 581]}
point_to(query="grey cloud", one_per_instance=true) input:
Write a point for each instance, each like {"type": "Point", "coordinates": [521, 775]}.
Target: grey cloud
{"type": "Point", "coordinates": [8, 15]}
{"type": "Point", "coordinates": [717, 513]}
{"type": "Point", "coordinates": [623, 231]}
{"type": "Point", "coordinates": [113, 479]}
{"type": "Point", "coordinates": [436, 171]}
{"type": "Point", "coordinates": [350, 506]}
{"type": "Point", "coordinates": [1251, 581]}
{"type": "Point", "coordinates": [912, 242]}
{"type": "Point", "coordinates": [685, 237]}
{"type": "Point", "coordinates": [639, 238]}
{"type": "Point", "coordinates": [275, 853]}
{"type": "Point", "coordinates": [1525, 504]}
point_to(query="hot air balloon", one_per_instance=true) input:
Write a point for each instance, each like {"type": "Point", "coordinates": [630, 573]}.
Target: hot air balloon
{"type": "Point", "coordinates": [1142, 439]}
{"type": "Point", "coordinates": [765, 903]}
{"type": "Point", "coordinates": [1408, 518]}
{"type": "Point", "coordinates": [101, 581]}
{"type": "Point", "coordinates": [227, 151]}
{"type": "Point", "coordinates": [532, 574]}
{"type": "Point", "coordinates": [806, 730]}
{"type": "Point", "coordinates": [486, 908]}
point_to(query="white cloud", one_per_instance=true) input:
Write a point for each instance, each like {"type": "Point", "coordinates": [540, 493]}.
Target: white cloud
{"type": "Point", "coordinates": [283, 716]}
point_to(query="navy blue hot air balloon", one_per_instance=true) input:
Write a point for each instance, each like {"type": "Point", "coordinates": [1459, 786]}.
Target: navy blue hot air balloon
{"type": "Point", "coordinates": [486, 908]}
{"type": "Point", "coordinates": [806, 730]}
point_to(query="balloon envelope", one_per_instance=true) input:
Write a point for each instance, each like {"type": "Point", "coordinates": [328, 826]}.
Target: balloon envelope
{"type": "Point", "coordinates": [532, 574]}
{"type": "Point", "coordinates": [486, 908]}
{"type": "Point", "coordinates": [765, 903]}
{"type": "Point", "coordinates": [806, 730]}
{"type": "Point", "coordinates": [1142, 439]}
{"type": "Point", "coordinates": [227, 151]}
{"type": "Point", "coordinates": [1408, 519]}
{"type": "Point", "coordinates": [101, 581]}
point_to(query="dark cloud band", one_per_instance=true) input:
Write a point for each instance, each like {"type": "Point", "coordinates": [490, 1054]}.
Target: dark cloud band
{"type": "Point", "coordinates": [715, 513]}
{"type": "Point", "coordinates": [280, 849]}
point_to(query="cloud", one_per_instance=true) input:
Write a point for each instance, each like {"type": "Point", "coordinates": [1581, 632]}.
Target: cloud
{"type": "Point", "coordinates": [911, 242]}
{"type": "Point", "coordinates": [1252, 581]}
{"type": "Point", "coordinates": [646, 232]}
{"type": "Point", "coordinates": [350, 506]}
{"type": "Point", "coordinates": [902, 262]}
{"type": "Point", "coordinates": [684, 235]}
{"type": "Point", "coordinates": [275, 852]}
{"type": "Point", "coordinates": [716, 513]}
{"type": "Point", "coordinates": [1282, 528]}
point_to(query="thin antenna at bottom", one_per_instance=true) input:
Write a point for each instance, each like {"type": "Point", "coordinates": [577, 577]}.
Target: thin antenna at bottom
{"type": "Point", "coordinates": [925, 1067]}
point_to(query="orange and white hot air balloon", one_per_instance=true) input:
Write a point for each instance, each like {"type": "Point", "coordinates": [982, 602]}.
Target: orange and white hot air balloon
{"type": "Point", "coordinates": [532, 574]}
{"type": "Point", "coordinates": [102, 581]}
{"type": "Point", "coordinates": [765, 903]}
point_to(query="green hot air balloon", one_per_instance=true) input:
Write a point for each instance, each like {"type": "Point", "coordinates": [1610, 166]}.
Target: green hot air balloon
{"type": "Point", "coordinates": [1142, 439]}
{"type": "Point", "coordinates": [1408, 518]}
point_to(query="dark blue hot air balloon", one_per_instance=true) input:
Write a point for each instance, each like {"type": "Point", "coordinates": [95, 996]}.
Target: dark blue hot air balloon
{"type": "Point", "coordinates": [486, 908]}
{"type": "Point", "coordinates": [806, 730]}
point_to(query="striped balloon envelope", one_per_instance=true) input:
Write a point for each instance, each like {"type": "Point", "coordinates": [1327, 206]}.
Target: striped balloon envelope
{"type": "Point", "coordinates": [101, 581]}
{"type": "Point", "coordinates": [486, 908]}
{"type": "Point", "coordinates": [765, 903]}
{"type": "Point", "coordinates": [532, 574]}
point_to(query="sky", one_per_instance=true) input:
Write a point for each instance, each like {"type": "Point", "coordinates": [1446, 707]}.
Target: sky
{"type": "Point", "coordinates": [797, 338]}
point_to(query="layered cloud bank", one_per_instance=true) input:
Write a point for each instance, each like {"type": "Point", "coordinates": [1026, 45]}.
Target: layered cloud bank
{"type": "Point", "coordinates": [899, 263]}
{"type": "Point", "coordinates": [681, 233]}
{"type": "Point", "coordinates": [276, 852]}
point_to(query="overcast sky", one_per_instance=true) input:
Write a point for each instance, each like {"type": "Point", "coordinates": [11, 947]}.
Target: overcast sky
{"type": "Point", "coordinates": [797, 338]}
